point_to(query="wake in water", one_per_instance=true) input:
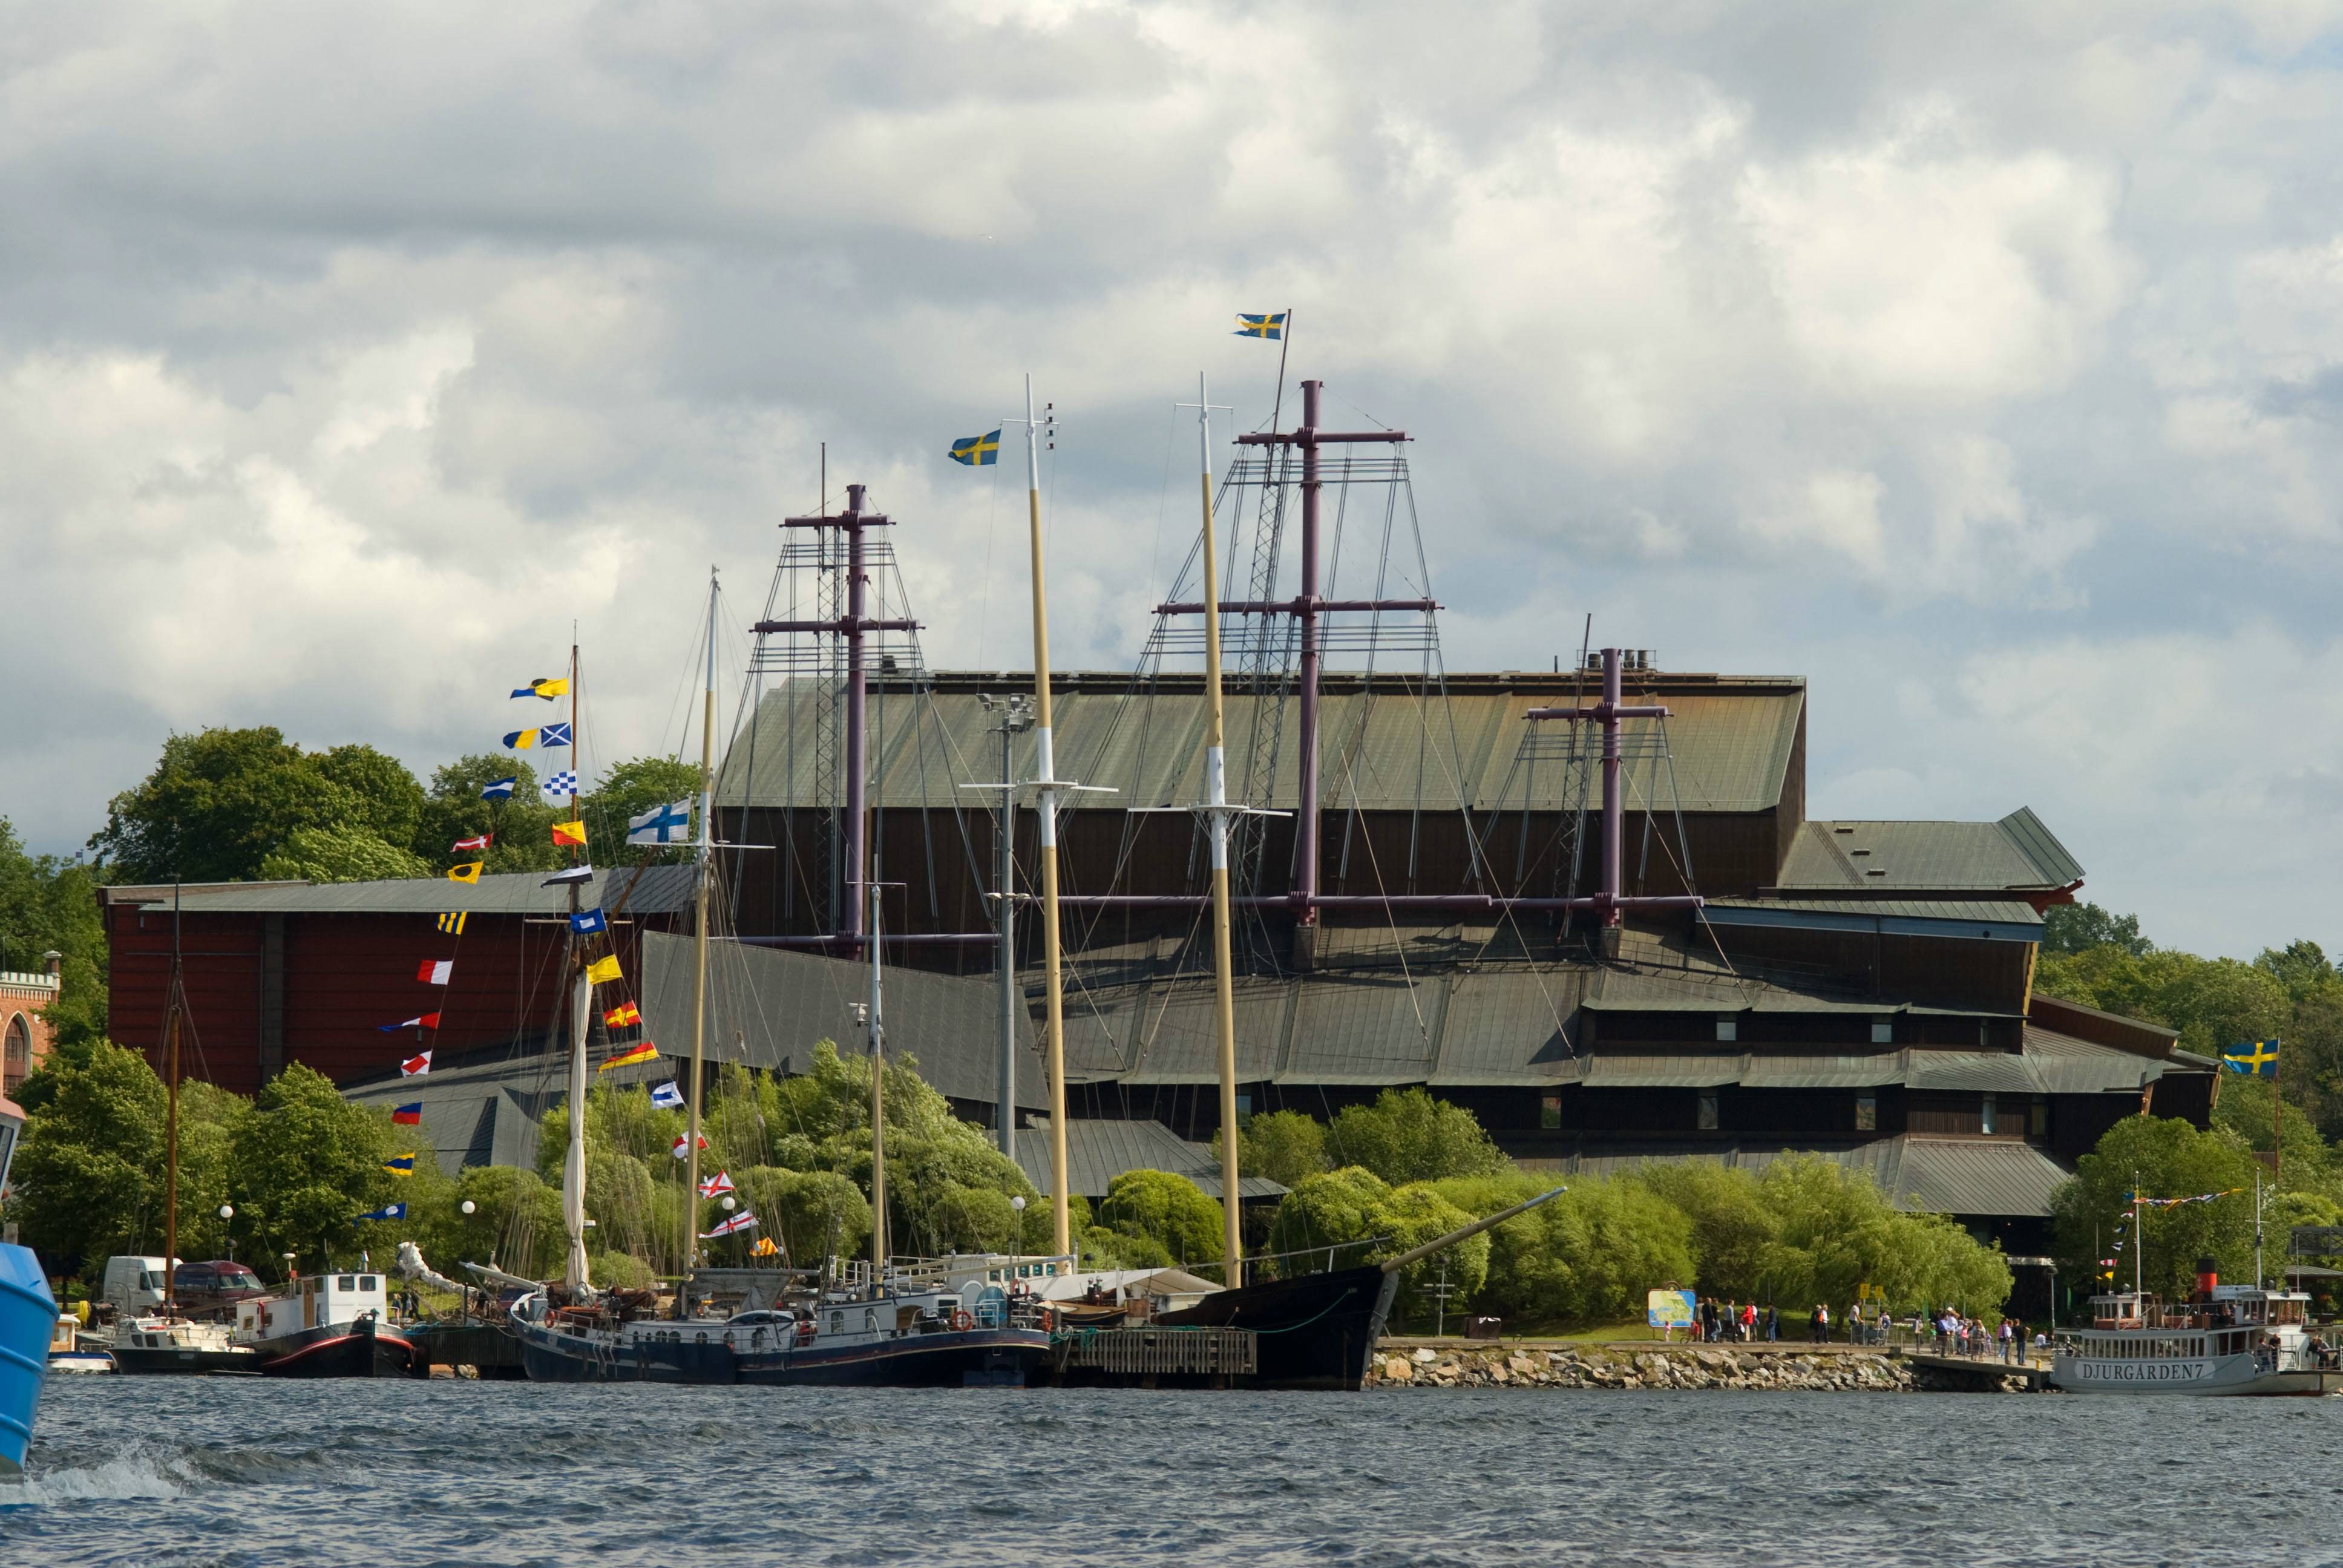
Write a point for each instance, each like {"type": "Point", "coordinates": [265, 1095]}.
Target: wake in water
{"type": "Point", "coordinates": [144, 1471]}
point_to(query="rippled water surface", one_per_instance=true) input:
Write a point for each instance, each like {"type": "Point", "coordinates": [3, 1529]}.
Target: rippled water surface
{"type": "Point", "coordinates": [230, 1472]}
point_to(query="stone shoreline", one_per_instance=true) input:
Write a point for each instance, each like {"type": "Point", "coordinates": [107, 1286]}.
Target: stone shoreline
{"type": "Point", "coordinates": [1677, 1367]}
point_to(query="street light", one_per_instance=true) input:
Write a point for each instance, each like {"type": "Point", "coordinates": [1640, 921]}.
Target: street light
{"type": "Point", "coordinates": [227, 1213]}
{"type": "Point", "coordinates": [469, 1206]}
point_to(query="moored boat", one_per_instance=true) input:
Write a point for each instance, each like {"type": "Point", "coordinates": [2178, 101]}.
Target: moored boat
{"type": "Point", "coordinates": [170, 1344]}
{"type": "Point", "coordinates": [2227, 1340]}
{"type": "Point", "coordinates": [324, 1326]}
{"type": "Point", "coordinates": [67, 1354]}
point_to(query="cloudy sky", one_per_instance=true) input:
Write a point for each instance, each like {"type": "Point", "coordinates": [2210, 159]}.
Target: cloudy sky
{"type": "Point", "coordinates": [1982, 363]}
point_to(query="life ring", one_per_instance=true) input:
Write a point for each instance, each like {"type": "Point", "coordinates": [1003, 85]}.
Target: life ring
{"type": "Point", "coordinates": [960, 1321]}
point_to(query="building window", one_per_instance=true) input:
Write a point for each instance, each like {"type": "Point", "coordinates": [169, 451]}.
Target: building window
{"type": "Point", "coordinates": [1883, 1030]}
{"type": "Point", "coordinates": [1867, 1112]}
{"type": "Point", "coordinates": [1985, 1117]}
{"type": "Point", "coordinates": [2038, 1118]}
{"type": "Point", "coordinates": [16, 1056]}
{"type": "Point", "coordinates": [1550, 1112]}
{"type": "Point", "coordinates": [1245, 1105]}
{"type": "Point", "coordinates": [1728, 1027]}
{"type": "Point", "coordinates": [1708, 1110]}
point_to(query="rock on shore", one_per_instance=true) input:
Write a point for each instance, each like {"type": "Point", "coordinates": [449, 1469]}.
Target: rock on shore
{"type": "Point", "coordinates": [1678, 1367]}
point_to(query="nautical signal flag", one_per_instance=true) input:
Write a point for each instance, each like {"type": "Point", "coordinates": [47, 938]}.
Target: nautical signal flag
{"type": "Point", "coordinates": [400, 1164]}
{"type": "Point", "coordinates": [416, 1066]}
{"type": "Point", "coordinates": [668, 824]}
{"type": "Point", "coordinates": [588, 922]}
{"type": "Point", "coordinates": [602, 969]}
{"type": "Point", "coordinates": [2257, 1060]}
{"type": "Point", "coordinates": [622, 1016]}
{"type": "Point", "coordinates": [978, 451]}
{"type": "Point", "coordinates": [666, 1096]}
{"type": "Point", "coordinates": [469, 871]}
{"type": "Point", "coordinates": [477, 841]}
{"type": "Point", "coordinates": [716, 1186]}
{"type": "Point", "coordinates": [548, 690]}
{"type": "Point", "coordinates": [501, 788]}
{"type": "Point", "coordinates": [387, 1211]}
{"type": "Point", "coordinates": [429, 1021]}
{"type": "Point", "coordinates": [1270, 326]}
{"type": "Point", "coordinates": [633, 1055]}
{"type": "Point", "coordinates": [407, 1115]}
{"type": "Point", "coordinates": [435, 972]}
{"type": "Point", "coordinates": [743, 1221]}
{"type": "Point", "coordinates": [765, 1248]}
{"type": "Point", "coordinates": [681, 1147]}
{"type": "Point", "coordinates": [520, 739]}
{"type": "Point", "coordinates": [559, 788]}
{"type": "Point", "coordinates": [569, 874]}
{"type": "Point", "coordinates": [554, 735]}
{"type": "Point", "coordinates": [452, 923]}
{"type": "Point", "coordinates": [572, 832]}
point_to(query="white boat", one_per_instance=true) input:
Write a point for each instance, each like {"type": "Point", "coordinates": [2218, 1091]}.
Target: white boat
{"type": "Point", "coordinates": [2225, 1340]}
{"type": "Point", "coordinates": [68, 1352]}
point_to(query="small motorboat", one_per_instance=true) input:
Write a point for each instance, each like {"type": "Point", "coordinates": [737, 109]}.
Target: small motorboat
{"type": "Point", "coordinates": [67, 1354]}
{"type": "Point", "coordinates": [324, 1326]}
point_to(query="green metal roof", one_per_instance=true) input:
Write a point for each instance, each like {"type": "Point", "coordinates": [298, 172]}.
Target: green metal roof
{"type": "Point", "coordinates": [1973, 919]}
{"type": "Point", "coordinates": [1386, 748]}
{"type": "Point", "coordinates": [1096, 1151]}
{"type": "Point", "coordinates": [2017, 853]}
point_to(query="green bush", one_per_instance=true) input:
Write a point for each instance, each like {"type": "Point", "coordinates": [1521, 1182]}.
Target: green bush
{"type": "Point", "coordinates": [1167, 1210]}
{"type": "Point", "coordinates": [1407, 1135]}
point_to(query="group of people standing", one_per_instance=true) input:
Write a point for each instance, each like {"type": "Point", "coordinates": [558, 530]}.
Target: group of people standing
{"type": "Point", "coordinates": [1965, 1336]}
{"type": "Point", "coordinates": [1738, 1322]}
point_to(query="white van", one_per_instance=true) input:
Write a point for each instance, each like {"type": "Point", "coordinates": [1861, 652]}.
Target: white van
{"type": "Point", "coordinates": [133, 1286]}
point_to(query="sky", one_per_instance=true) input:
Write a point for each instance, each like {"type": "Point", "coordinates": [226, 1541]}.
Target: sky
{"type": "Point", "coordinates": [1981, 363]}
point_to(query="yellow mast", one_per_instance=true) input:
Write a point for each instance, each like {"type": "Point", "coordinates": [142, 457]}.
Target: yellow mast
{"type": "Point", "coordinates": [700, 933]}
{"type": "Point", "coordinates": [1046, 781]}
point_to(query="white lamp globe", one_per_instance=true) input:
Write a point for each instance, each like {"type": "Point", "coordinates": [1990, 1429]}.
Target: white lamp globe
{"type": "Point", "coordinates": [730, 1204]}
{"type": "Point", "coordinates": [469, 1206]}
{"type": "Point", "coordinates": [1018, 1203]}
{"type": "Point", "coordinates": [228, 1210]}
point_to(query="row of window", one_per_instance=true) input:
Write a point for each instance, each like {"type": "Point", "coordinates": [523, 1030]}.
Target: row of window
{"type": "Point", "coordinates": [2034, 1121]}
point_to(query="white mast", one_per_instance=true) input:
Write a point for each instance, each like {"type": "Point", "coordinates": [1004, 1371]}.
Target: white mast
{"type": "Point", "coordinates": [573, 1164]}
{"type": "Point", "coordinates": [879, 1248]}
{"type": "Point", "coordinates": [699, 934]}
{"type": "Point", "coordinates": [1217, 811]}
{"type": "Point", "coordinates": [1045, 779]}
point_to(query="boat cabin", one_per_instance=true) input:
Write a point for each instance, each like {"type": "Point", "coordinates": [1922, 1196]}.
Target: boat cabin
{"type": "Point", "coordinates": [314, 1300]}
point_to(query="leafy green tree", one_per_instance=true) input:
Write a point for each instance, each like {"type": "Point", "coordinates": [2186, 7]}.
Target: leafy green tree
{"type": "Point", "coordinates": [1415, 1215]}
{"type": "Point", "coordinates": [2169, 1159]}
{"type": "Point", "coordinates": [1329, 1210]}
{"type": "Point", "coordinates": [49, 905]}
{"type": "Point", "coordinates": [2245, 1112]}
{"type": "Point", "coordinates": [1732, 1230]}
{"type": "Point", "coordinates": [2078, 927]}
{"type": "Point", "coordinates": [1167, 1210]}
{"type": "Point", "coordinates": [339, 854]}
{"type": "Point", "coordinates": [2314, 1056]}
{"type": "Point", "coordinates": [388, 802]}
{"type": "Point", "coordinates": [1284, 1146]}
{"type": "Point", "coordinates": [308, 1162]}
{"type": "Point", "coordinates": [1836, 1230]}
{"type": "Point", "coordinates": [452, 809]}
{"type": "Point", "coordinates": [2299, 966]}
{"type": "Point", "coordinates": [809, 1214]}
{"type": "Point", "coordinates": [1586, 1257]}
{"type": "Point", "coordinates": [630, 789]}
{"type": "Point", "coordinates": [1407, 1135]}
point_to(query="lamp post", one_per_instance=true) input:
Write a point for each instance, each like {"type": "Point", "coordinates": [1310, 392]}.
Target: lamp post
{"type": "Point", "coordinates": [227, 1213]}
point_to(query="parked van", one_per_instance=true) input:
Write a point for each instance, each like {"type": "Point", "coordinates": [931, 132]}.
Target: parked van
{"type": "Point", "coordinates": [133, 1286]}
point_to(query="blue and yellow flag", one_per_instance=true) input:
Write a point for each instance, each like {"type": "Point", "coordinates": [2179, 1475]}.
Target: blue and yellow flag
{"type": "Point", "coordinates": [453, 924]}
{"type": "Point", "coordinates": [545, 687]}
{"type": "Point", "coordinates": [2257, 1060]}
{"type": "Point", "coordinates": [400, 1164]}
{"type": "Point", "coordinates": [977, 451]}
{"type": "Point", "coordinates": [1270, 326]}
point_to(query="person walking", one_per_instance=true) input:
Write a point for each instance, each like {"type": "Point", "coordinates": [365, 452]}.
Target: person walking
{"type": "Point", "coordinates": [1773, 1325]}
{"type": "Point", "coordinates": [1749, 1322]}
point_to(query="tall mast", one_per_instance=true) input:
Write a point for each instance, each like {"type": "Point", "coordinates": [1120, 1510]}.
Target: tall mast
{"type": "Point", "coordinates": [573, 1162]}
{"type": "Point", "coordinates": [700, 930]}
{"type": "Point", "coordinates": [1217, 810]}
{"type": "Point", "coordinates": [878, 1026]}
{"type": "Point", "coordinates": [1045, 779]}
{"type": "Point", "coordinates": [2138, 1242]}
{"type": "Point", "coordinates": [171, 1127]}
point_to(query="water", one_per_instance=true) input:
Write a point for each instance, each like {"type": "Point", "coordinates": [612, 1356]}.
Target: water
{"type": "Point", "coordinates": [161, 1471]}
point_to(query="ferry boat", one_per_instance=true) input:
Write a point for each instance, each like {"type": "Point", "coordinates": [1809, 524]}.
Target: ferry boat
{"type": "Point", "coordinates": [2225, 1340]}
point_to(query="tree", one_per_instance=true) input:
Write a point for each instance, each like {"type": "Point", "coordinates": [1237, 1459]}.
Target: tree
{"type": "Point", "coordinates": [1734, 1232]}
{"type": "Point", "coordinates": [310, 1163]}
{"type": "Point", "coordinates": [1167, 1210]}
{"type": "Point", "coordinates": [1406, 1136]}
{"type": "Point", "coordinates": [2078, 927]}
{"type": "Point", "coordinates": [1835, 1231]}
{"type": "Point", "coordinates": [1587, 1256]}
{"type": "Point", "coordinates": [1285, 1146]}
{"type": "Point", "coordinates": [1415, 1215]}
{"type": "Point", "coordinates": [387, 800]}
{"type": "Point", "coordinates": [1329, 1210]}
{"type": "Point", "coordinates": [339, 854]}
{"type": "Point", "coordinates": [49, 905]}
{"type": "Point", "coordinates": [453, 809]}
{"type": "Point", "coordinates": [810, 1214]}
{"type": "Point", "coordinates": [2169, 1159]}
{"type": "Point", "coordinates": [2300, 966]}
{"type": "Point", "coordinates": [2245, 1112]}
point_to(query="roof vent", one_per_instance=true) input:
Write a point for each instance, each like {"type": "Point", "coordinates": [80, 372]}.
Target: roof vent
{"type": "Point", "coordinates": [1858, 851]}
{"type": "Point", "coordinates": [1876, 872]}
{"type": "Point", "coordinates": [1842, 830]}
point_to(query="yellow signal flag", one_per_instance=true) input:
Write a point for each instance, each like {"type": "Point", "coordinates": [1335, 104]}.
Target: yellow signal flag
{"type": "Point", "coordinates": [603, 969]}
{"type": "Point", "coordinates": [469, 871]}
{"type": "Point", "coordinates": [632, 1056]}
{"type": "Point", "coordinates": [572, 832]}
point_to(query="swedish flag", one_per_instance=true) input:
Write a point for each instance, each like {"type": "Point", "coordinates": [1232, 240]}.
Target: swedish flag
{"type": "Point", "coordinates": [2257, 1060]}
{"type": "Point", "coordinates": [1270, 326]}
{"type": "Point", "coordinates": [978, 451]}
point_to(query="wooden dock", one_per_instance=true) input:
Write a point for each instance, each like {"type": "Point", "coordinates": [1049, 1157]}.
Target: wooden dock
{"type": "Point", "coordinates": [1977, 1372]}
{"type": "Point", "coordinates": [1141, 1353]}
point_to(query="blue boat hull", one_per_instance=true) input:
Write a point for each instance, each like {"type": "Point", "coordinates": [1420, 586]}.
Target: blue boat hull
{"type": "Point", "coordinates": [27, 1315]}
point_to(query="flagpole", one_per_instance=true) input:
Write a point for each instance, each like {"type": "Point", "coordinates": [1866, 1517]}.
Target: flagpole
{"type": "Point", "coordinates": [2277, 1081]}
{"type": "Point", "coordinates": [1046, 782]}
{"type": "Point", "coordinates": [700, 933]}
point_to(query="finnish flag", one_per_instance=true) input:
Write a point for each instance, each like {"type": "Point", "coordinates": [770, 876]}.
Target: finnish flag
{"type": "Point", "coordinates": [668, 824]}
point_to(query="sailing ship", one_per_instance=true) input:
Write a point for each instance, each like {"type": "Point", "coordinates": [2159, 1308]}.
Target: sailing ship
{"type": "Point", "coordinates": [939, 1324]}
